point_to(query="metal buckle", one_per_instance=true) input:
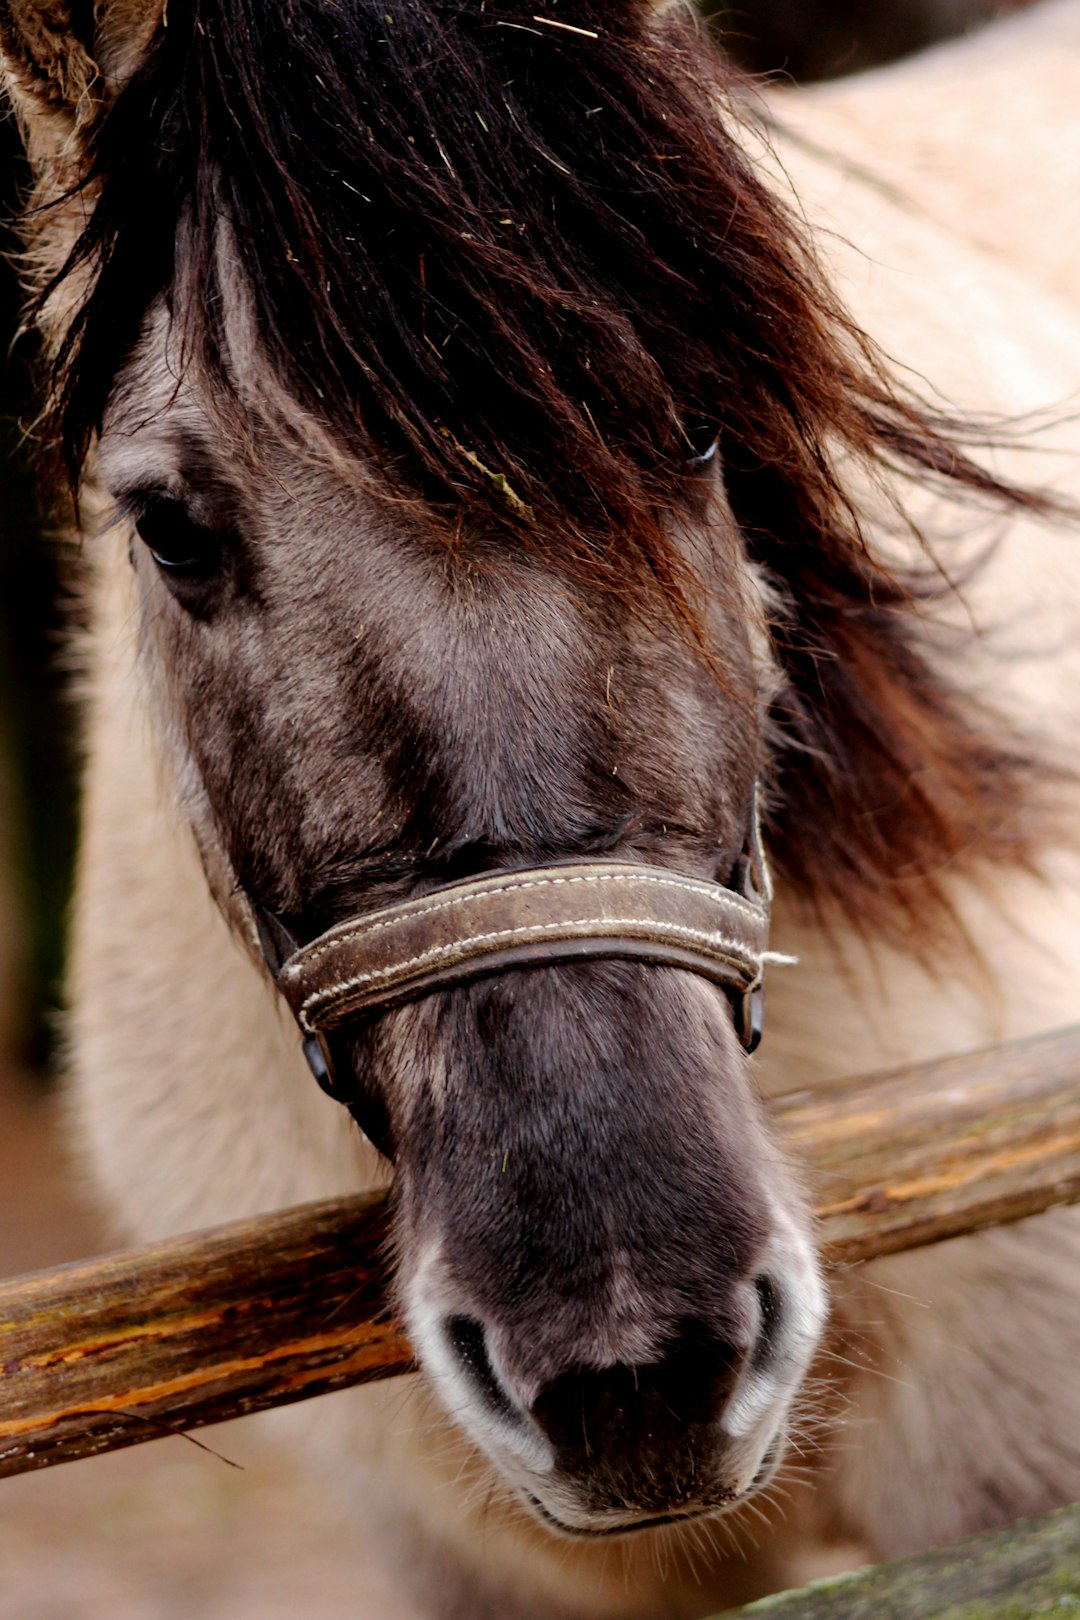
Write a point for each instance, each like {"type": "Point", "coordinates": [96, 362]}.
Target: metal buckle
{"type": "Point", "coordinates": [748, 1011]}
{"type": "Point", "coordinates": [319, 1061]}
{"type": "Point", "coordinates": [368, 1110]}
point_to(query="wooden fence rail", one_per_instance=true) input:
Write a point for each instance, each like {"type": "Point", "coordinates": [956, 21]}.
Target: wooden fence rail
{"type": "Point", "coordinates": [258, 1313]}
{"type": "Point", "coordinates": [1019, 1572]}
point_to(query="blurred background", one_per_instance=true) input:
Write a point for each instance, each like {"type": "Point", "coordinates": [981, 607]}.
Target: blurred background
{"type": "Point", "coordinates": [165, 1530]}
{"type": "Point", "coordinates": [821, 39]}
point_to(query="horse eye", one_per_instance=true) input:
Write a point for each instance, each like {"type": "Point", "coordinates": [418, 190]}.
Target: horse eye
{"type": "Point", "coordinates": [179, 546]}
{"type": "Point", "coordinates": [703, 439]}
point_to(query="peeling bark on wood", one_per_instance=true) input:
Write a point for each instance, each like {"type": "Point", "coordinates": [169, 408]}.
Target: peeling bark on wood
{"type": "Point", "coordinates": [1026, 1569]}
{"type": "Point", "coordinates": [898, 1161]}
{"type": "Point", "coordinates": [194, 1330]}
{"type": "Point", "coordinates": [263, 1312]}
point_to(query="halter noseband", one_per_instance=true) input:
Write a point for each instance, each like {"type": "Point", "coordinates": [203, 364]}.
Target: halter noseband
{"type": "Point", "coordinates": [550, 914]}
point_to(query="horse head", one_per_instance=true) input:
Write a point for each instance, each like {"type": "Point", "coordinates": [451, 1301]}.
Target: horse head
{"type": "Point", "coordinates": [472, 415]}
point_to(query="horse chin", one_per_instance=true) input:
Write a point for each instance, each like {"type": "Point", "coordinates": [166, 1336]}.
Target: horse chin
{"type": "Point", "coordinates": [558, 1515]}
{"type": "Point", "coordinates": [603, 1529]}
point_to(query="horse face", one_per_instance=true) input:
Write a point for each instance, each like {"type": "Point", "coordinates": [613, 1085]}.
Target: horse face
{"type": "Point", "coordinates": [602, 1261]}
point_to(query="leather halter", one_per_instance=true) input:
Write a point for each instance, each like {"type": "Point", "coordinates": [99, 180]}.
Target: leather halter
{"type": "Point", "coordinates": [559, 913]}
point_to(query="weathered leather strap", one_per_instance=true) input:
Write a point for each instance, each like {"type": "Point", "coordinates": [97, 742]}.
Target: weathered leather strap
{"type": "Point", "coordinates": [518, 919]}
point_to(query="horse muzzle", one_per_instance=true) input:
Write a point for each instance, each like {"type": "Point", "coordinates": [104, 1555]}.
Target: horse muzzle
{"type": "Point", "coordinates": [669, 1409]}
{"type": "Point", "coordinates": [694, 1430]}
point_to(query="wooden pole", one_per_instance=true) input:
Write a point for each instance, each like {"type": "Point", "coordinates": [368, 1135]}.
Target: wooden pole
{"type": "Point", "coordinates": [900, 1160]}
{"type": "Point", "coordinates": [276, 1309]}
{"type": "Point", "coordinates": [1015, 1573]}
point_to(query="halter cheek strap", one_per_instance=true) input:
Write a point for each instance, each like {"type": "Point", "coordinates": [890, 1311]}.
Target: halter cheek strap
{"type": "Point", "coordinates": [548, 915]}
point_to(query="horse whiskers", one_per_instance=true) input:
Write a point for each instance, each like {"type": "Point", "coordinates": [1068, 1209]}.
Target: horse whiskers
{"type": "Point", "coordinates": [866, 1280]}
{"type": "Point", "coordinates": [864, 1368]}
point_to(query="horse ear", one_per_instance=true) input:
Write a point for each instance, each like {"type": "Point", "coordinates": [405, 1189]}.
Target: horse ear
{"type": "Point", "coordinates": [63, 59]}
{"type": "Point", "coordinates": [123, 31]}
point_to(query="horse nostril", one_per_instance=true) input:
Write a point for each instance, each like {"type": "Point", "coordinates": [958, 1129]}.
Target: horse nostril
{"type": "Point", "coordinates": [468, 1340]}
{"type": "Point", "coordinates": [771, 1304]}
{"type": "Point", "coordinates": [589, 1411]}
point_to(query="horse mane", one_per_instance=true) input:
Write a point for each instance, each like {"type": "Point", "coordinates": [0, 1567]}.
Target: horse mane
{"type": "Point", "coordinates": [507, 252]}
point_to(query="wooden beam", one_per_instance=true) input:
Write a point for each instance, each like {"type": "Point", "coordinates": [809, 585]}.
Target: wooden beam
{"type": "Point", "coordinates": [1015, 1573]}
{"type": "Point", "coordinates": [900, 1160]}
{"type": "Point", "coordinates": [263, 1312]}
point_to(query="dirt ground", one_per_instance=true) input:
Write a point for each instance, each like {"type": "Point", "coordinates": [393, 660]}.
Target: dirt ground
{"type": "Point", "coordinates": [163, 1531]}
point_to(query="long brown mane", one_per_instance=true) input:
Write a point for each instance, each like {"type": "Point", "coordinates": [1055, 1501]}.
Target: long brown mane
{"type": "Point", "coordinates": [512, 255]}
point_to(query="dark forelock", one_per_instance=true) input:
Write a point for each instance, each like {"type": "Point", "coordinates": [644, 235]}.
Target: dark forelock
{"type": "Point", "coordinates": [507, 262]}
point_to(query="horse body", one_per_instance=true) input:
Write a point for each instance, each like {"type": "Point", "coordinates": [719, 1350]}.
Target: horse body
{"type": "Point", "coordinates": [989, 122]}
{"type": "Point", "coordinates": [957, 1404]}
{"type": "Point", "coordinates": [940, 243]}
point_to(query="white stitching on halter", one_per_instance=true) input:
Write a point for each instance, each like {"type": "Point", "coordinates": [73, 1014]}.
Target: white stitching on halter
{"type": "Point", "coordinates": [714, 945]}
{"type": "Point", "coordinates": [444, 902]}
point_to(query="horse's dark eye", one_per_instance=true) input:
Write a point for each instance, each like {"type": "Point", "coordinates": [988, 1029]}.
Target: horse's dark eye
{"type": "Point", "coordinates": [181, 547]}
{"type": "Point", "coordinates": [703, 439]}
